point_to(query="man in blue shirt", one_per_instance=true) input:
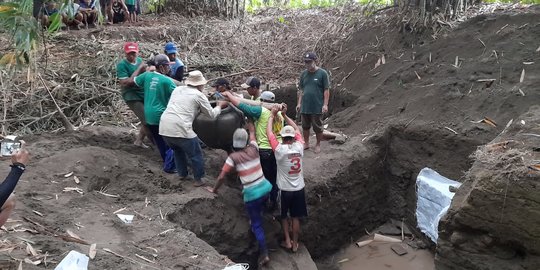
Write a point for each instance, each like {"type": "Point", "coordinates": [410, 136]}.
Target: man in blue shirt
{"type": "Point", "coordinates": [177, 67]}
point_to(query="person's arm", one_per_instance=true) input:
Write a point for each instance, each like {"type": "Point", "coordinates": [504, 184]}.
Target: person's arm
{"type": "Point", "coordinates": [179, 73]}
{"type": "Point", "coordinates": [19, 160]}
{"type": "Point", "coordinates": [124, 7]}
{"type": "Point", "coordinates": [248, 110]}
{"type": "Point", "coordinates": [227, 168]}
{"type": "Point", "coordinates": [131, 81]}
{"type": "Point", "coordinates": [300, 92]}
{"type": "Point", "coordinates": [269, 130]}
{"type": "Point", "coordinates": [251, 128]}
{"type": "Point", "coordinates": [206, 108]}
{"type": "Point", "coordinates": [326, 94]}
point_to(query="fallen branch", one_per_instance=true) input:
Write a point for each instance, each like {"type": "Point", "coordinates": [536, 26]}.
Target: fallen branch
{"type": "Point", "coordinates": [49, 231]}
{"type": "Point", "coordinates": [65, 121]}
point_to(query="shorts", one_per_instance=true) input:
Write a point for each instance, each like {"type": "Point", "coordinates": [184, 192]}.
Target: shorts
{"type": "Point", "coordinates": [119, 17]}
{"type": "Point", "coordinates": [131, 8]}
{"type": "Point", "coordinates": [309, 120]}
{"type": "Point", "coordinates": [137, 107]}
{"type": "Point", "coordinates": [293, 204]}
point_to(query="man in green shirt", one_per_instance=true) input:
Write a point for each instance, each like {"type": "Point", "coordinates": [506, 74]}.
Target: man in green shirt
{"type": "Point", "coordinates": [132, 95]}
{"type": "Point", "coordinates": [313, 97]}
{"type": "Point", "coordinates": [157, 92]}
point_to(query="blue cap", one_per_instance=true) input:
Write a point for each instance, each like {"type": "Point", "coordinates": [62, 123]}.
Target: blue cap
{"type": "Point", "coordinates": [170, 48]}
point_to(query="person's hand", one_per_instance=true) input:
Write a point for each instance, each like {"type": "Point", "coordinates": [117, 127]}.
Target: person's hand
{"type": "Point", "coordinates": [275, 110]}
{"type": "Point", "coordinates": [324, 108]}
{"type": "Point", "coordinates": [223, 104]}
{"type": "Point", "coordinates": [283, 108]}
{"type": "Point", "coordinates": [21, 156]}
{"type": "Point", "coordinates": [211, 190]}
{"type": "Point", "coordinates": [298, 107]}
{"type": "Point", "coordinates": [226, 94]}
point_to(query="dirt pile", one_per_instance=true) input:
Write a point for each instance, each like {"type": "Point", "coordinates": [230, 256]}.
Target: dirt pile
{"type": "Point", "coordinates": [493, 220]}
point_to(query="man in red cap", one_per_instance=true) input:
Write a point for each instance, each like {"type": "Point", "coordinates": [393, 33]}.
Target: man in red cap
{"type": "Point", "coordinates": [132, 95]}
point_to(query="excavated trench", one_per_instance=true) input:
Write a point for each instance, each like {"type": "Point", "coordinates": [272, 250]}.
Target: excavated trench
{"type": "Point", "coordinates": [357, 186]}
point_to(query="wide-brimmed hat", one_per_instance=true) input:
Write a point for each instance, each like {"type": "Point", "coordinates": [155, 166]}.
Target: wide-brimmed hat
{"type": "Point", "coordinates": [196, 78]}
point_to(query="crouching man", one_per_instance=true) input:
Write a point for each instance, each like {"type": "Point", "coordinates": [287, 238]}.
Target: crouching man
{"type": "Point", "coordinates": [246, 162]}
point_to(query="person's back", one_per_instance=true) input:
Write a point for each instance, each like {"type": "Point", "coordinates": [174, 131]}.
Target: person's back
{"type": "Point", "coordinates": [248, 165]}
{"type": "Point", "coordinates": [157, 92]}
{"type": "Point", "coordinates": [289, 160]}
{"type": "Point", "coordinates": [185, 102]}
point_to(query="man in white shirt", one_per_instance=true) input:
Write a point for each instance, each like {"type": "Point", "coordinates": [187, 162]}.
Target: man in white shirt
{"type": "Point", "coordinates": [290, 176]}
{"type": "Point", "coordinates": [176, 124]}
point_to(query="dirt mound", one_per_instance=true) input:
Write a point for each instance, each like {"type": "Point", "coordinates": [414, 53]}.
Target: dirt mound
{"type": "Point", "coordinates": [419, 82]}
{"type": "Point", "coordinates": [495, 213]}
{"type": "Point", "coordinates": [113, 175]}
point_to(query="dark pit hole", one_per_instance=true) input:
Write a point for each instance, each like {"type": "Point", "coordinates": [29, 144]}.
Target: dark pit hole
{"type": "Point", "coordinates": [372, 189]}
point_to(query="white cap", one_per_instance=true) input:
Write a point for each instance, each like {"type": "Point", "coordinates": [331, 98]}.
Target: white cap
{"type": "Point", "coordinates": [268, 96]}
{"type": "Point", "coordinates": [240, 138]}
{"type": "Point", "coordinates": [287, 131]}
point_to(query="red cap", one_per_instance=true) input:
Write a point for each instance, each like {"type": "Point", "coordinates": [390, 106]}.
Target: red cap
{"type": "Point", "coordinates": [131, 47]}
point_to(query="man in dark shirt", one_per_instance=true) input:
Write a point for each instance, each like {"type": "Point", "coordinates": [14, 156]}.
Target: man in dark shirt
{"type": "Point", "coordinates": [313, 97]}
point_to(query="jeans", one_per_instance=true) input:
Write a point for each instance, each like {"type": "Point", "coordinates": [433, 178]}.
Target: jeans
{"type": "Point", "coordinates": [254, 209]}
{"type": "Point", "coordinates": [184, 149]}
{"type": "Point", "coordinates": [269, 167]}
{"type": "Point", "coordinates": [165, 151]}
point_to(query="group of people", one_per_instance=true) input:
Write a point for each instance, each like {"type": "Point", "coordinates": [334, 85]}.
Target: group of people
{"type": "Point", "coordinates": [84, 13]}
{"type": "Point", "coordinates": [267, 157]}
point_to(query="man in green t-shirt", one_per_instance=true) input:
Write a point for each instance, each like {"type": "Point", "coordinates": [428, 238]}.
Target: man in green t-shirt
{"type": "Point", "coordinates": [313, 97]}
{"type": "Point", "coordinates": [132, 95]}
{"type": "Point", "coordinates": [157, 92]}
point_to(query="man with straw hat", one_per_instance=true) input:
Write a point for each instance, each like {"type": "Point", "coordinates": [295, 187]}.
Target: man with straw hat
{"type": "Point", "coordinates": [176, 125]}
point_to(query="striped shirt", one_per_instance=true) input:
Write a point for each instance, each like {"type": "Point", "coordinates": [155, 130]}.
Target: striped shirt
{"type": "Point", "coordinates": [247, 164]}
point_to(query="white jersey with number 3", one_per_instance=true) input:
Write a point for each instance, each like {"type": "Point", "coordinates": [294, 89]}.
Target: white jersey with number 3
{"type": "Point", "coordinates": [290, 175]}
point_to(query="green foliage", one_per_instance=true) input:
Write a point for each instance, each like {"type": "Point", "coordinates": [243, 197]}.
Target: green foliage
{"type": "Point", "coordinates": [16, 17]}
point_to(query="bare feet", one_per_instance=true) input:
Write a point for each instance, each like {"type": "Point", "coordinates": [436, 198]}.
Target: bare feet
{"type": "Point", "coordinates": [140, 143]}
{"type": "Point", "coordinates": [295, 246]}
{"type": "Point", "coordinates": [286, 245]}
{"type": "Point", "coordinates": [317, 149]}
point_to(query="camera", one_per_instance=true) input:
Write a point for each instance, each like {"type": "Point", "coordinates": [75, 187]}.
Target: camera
{"type": "Point", "coordinates": [9, 145]}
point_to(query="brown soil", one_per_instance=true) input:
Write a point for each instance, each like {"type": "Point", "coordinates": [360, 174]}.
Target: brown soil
{"type": "Point", "coordinates": [398, 123]}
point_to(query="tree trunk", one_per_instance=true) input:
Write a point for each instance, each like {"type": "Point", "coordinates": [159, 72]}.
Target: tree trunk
{"type": "Point", "coordinates": [216, 8]}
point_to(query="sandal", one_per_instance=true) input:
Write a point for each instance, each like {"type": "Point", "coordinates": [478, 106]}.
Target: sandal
{"type": "Point", "coordinates": [198, 184]}
{"type": "Point", "coordinates": [263, 261]}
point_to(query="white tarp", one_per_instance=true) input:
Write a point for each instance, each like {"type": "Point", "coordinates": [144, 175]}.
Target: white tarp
{"type": "Point", "coordinates": [73, 261]}
{"type": "Point", "coordinates": [434, 198]}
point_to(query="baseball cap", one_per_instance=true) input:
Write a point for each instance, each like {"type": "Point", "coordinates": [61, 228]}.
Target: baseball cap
{"type": "Point", "coordinates": [221, 81]}
{"type": "Point", "coordinates": [170, 48]}
{"type": "Point", "coordinates": [161, 60]}
{"type": "Point", "coordinates": [240, 137]}
{"type": "Point", "coordinates": [287, 131]}
{"type": "Point", "coordinates": [251, 82]}
{"type": "Point", "coordinates": [310, 56]}
{"type": "Point", "coordinates": [268, 96]}
{"type": "Point", "coordinates": [131, 47]}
